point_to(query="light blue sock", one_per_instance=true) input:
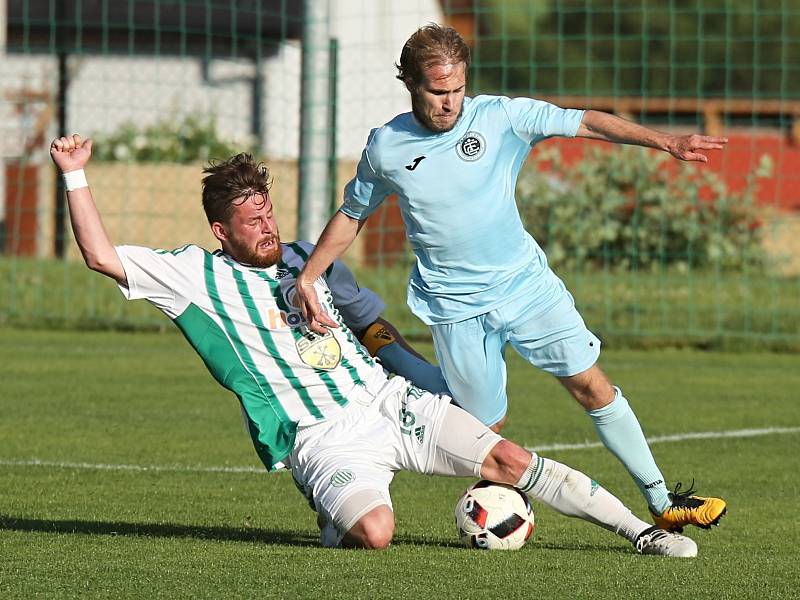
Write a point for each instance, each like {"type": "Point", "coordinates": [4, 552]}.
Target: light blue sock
{"type": "Point", "coordinates": [620, 432]}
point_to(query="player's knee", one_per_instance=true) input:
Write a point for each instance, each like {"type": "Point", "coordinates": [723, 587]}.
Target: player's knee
{"type": "Point", "coordinates": [378, 538]}
{"type": "Point", "coordinates": [373, 531]}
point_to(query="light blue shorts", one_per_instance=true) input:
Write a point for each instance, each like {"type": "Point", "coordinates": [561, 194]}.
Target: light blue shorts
{"type": "Point", "coordinates": [471, 352]}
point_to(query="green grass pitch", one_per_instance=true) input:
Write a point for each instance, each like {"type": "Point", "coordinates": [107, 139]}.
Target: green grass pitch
{"type": "Point", "coordinates": [125, 503]}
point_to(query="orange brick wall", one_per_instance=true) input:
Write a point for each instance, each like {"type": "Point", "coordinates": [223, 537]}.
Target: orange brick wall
{"type": "Point", "coordinates": [21, 220]}
{"type": "Point", "coordinates": [741, 157]}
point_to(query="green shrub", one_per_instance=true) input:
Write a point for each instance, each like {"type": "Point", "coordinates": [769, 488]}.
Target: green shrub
{"type": "Point", "coordinates": [195, 138]}
{"type": "Point", "coordinates": [635, 208]}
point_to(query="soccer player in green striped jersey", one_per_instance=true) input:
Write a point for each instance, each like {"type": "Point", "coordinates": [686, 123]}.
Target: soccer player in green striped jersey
{"type": "Point", "coordinates": [318, 403]}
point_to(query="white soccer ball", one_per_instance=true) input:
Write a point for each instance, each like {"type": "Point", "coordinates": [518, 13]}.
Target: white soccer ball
{"type": "Point", "coordinates": [494, 516]}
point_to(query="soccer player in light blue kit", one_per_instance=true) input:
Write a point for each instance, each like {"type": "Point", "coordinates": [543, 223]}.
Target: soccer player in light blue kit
{"type": "Point", "coordinates": [480, 280]}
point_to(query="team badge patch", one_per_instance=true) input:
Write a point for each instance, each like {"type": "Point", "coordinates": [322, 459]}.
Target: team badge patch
{"type": "Point", "coordinates": [319, 351]}
{"type": "Point", "coordinates": [471, 147]}
{"type": "Point", "coordinates": [342, 477]}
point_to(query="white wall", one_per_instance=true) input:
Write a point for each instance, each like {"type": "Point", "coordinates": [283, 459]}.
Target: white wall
{"type": "Point", "coordinates": [371, 35]}
{"type": "Point", "coordinates": [105, 92]}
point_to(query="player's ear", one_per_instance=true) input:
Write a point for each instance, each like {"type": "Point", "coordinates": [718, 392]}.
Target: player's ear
{"type": "Point", "coordinates": [410, 85]}
{"type": "Point", "coordinates": [220, 231]}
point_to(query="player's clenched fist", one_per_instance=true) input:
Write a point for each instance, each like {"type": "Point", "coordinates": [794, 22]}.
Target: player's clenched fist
{"type": "Point", "coordinates": [70, 153]}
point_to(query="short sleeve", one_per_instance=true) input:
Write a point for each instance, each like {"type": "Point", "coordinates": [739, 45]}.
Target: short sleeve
{"type": "Point", "coordinates": [365, 192]}
{"type": "Point", "coordinates": [534, 120]}
{"type": "Point", "coordinates": [360, 307]}
{"type": "Point", "coordinates": [155, 275]}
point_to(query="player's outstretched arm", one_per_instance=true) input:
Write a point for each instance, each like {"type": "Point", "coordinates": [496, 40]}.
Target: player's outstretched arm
{"type": "Point", "coordinates": [339, 233]}
{"type": "Point", "coordinates": [71, 154]}
{"type": "Point", "coordinates": [598, 125]}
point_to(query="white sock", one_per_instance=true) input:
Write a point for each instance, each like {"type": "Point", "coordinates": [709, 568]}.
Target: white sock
{"type": "Point", "coordinates": [573, 494]}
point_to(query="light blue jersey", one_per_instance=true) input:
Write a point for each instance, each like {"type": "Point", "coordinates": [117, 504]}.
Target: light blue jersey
{"type": "Point", "coordinates": [480, 280]}
{"type": "Point", "coordinates": [456, 194]}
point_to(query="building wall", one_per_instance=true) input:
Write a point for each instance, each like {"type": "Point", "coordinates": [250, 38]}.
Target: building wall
{"type": "Point", "coordinates": [107, 91]}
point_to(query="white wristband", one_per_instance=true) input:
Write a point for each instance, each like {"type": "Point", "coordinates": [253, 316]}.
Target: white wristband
{"type": "Point", "coordinates": [74, 180]}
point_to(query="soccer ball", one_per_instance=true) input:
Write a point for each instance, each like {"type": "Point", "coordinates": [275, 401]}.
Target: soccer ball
{"type": "Point", "coordinates": [494, 516]}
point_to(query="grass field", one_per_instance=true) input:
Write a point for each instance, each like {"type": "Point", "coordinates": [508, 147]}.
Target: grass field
{"type": "Point", "coordinates": [146, 485]}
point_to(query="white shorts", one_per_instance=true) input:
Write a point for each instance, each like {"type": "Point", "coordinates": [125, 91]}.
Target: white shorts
{"type": "Point", "coordinates": [344, 467]}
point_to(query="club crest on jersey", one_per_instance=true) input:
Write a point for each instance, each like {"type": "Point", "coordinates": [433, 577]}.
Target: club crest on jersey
{"type": "Point", "coordinates": [471, 147]}
{"type": "Point", "coordinates": [319, 351]}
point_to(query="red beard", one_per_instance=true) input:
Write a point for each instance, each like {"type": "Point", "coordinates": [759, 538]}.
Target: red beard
{"type": "Point", "coordinates": [255, 257]}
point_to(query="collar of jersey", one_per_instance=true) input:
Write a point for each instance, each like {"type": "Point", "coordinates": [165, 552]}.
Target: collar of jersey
{"type": "Point", "coordinates": [270, 272]}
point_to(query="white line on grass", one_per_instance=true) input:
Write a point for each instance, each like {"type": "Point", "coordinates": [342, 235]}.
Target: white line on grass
{"type": "Point", "coordinates": [680, 437]}
{"type": "Point", "coordinates": [35, 462]}
{"type": "Point", "coordinates": [661, 439]}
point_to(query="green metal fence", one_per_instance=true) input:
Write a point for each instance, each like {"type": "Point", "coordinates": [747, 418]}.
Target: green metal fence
{"type": "Point", "coordinates": [654, 252]}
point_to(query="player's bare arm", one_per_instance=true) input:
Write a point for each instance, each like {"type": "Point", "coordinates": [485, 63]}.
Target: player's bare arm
{"type": "Point", "coordinates": [71, 154]}
{"type": "Point", "coordinates": [339, 233]}
{"type": "Point", "coordinates": [610, 128]}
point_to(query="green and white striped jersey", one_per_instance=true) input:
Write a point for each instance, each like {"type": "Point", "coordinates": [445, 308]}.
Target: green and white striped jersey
{"type": "Point", "coordinates": [241, 322]}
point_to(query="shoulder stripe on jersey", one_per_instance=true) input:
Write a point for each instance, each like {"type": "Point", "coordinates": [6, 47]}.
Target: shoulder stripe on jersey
{"type": "Point", "coordinates": [300, 251]}
{"type": "Point", "coordinates": [176, 251]}
{"type": "Point", "coordinates": [274, 287]}
{"type": "Point", "coordinates": [241, 349]}
{"type": "Point", "coordinates": [269, 344]}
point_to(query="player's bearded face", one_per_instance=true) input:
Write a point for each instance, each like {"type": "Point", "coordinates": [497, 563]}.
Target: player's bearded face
{"type": "Point", "coordinates": [251, 235]}
{"type": "Point", "coordinates": [437, 100]}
